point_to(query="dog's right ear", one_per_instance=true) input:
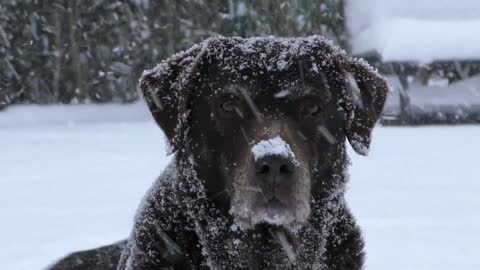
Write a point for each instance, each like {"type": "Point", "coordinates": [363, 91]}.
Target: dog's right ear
{"type": "Point", "coordinates": [166, 89]}
{"type": "Point", "coordinates": [365, 98]}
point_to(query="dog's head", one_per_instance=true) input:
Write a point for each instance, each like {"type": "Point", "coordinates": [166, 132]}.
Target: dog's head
{"type": "Point", "coordinates": [262, 116]}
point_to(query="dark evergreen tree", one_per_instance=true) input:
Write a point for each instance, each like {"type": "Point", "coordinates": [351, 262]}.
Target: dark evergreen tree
{"type": "Point", "coordinates": [74, 51]}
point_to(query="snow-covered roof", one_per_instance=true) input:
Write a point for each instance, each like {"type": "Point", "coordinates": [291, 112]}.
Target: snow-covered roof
{"type": "Point", "coordinates": [421, 31]}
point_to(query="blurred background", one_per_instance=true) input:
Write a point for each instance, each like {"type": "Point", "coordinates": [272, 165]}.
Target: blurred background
{"type": "Point", "coordinates": [78, 148]}
{"type": "Point", "coordinates": [93, 51]}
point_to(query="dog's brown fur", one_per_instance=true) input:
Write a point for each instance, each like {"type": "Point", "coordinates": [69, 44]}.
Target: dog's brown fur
{"type": "Point", "coordinates": [217, 100]}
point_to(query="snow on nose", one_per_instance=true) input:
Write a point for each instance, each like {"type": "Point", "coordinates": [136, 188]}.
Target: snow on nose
{"type": "Point", "coordinates": [273, 147]}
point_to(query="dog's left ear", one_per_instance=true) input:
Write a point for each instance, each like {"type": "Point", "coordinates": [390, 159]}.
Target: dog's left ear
{"type": "Point", "coordinates": [166, 90]}
{"type": "Point", "coordinates": [365, 92]}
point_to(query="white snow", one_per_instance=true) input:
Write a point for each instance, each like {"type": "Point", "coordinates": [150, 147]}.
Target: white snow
{"type": "Point", "coordinates": [38, 115]}
{"type": "Point", "coordinates": [66, 187]}
{"type": "Point", "coordinates": [282, 238]}
{"type": "Point", "coordinates": [422, 41]}
{"type": "Point", "coordinates": [416, 198]}
{"type": "Point", "coordinates": [275, 147]}
{"type": "Point", "coordinates": [68, 184]}
{"type": "Point", "coordinates": [411, 30]}
{"type": "Point", "coordinates": [282, 93]}
{"type": "Point", "coordinates": [326, 134]}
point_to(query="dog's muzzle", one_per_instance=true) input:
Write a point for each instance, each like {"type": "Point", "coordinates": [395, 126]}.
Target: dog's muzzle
{"type": "Point", "coordinates": [272, 173]}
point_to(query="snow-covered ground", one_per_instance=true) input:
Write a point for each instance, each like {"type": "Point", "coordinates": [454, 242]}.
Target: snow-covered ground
{"type": "Point", "coordinates": [75, 184]}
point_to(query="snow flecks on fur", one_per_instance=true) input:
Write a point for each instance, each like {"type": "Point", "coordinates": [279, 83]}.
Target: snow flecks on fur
{"type": "Point", "coordinates": [180, 199]}
{"type": "Point", "coordinates": [180, 196]}
{"type": "Point", "coordinates": [274, 147]}
{"type": "Point", "coordinates": [354, 89]}
{"type": "Point", "coordinates": [359, 145]}
{"type": "Point", "coordinates": [272, 53]}
{"type": "Point", "coordinates": [228, 48]}
{"type": "Point", "coordinates": [235, 55]}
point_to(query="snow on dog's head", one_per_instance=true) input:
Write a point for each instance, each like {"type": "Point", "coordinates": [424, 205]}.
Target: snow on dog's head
{"type": "Point", "coordinates": [262, 117]}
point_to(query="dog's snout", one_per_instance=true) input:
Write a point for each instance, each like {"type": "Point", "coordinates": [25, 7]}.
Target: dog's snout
{"type": "Point", "coordinates": [274, 168]}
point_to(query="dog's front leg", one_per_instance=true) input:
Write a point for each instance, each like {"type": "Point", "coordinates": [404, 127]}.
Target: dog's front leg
{"type": "Point", "coordinates": [152, 249]}
{"type": "Point", "coordinates": [345, 250]}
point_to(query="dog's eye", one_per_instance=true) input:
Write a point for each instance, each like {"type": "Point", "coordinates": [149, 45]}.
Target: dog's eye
{"type": "Point", "coordinates": [309, 108]}
{"type": "Point", "coordinates": [229, 106]}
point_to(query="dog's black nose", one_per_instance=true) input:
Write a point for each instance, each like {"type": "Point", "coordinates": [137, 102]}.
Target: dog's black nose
{"type": "Point", "coordinates": [274, 168]}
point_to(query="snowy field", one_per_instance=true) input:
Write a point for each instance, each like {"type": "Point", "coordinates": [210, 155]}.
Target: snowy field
{"type": "Point", "coordinates": [69, 183]}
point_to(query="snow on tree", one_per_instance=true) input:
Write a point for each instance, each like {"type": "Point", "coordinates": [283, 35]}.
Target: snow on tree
{"type": "Point", "coordinates": [94, 50]}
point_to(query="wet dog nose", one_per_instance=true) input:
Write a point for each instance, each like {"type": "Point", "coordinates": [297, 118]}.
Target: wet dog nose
{"type": "Point", "coordinates": [274, 168]}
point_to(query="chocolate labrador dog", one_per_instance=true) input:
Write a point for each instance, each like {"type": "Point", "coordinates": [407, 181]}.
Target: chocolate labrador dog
{"type": "Point", "coordinates": [259, 129]}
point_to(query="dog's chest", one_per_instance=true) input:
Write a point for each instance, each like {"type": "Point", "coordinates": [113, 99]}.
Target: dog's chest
{"type": "Point", "coordinates": [260, 252]}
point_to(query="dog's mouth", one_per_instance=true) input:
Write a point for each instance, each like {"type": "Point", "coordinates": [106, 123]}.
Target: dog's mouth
{"type": "Point", "coordinates": [270, 202]}
{"type": "Point", "coordinates": [274, 215]}
{"type": "Point", "coordinates": [273, 206]}
{"type": "Point", "coordinates": [273, 211]}
{"type": "Point", "coordinates": [286, 206]}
